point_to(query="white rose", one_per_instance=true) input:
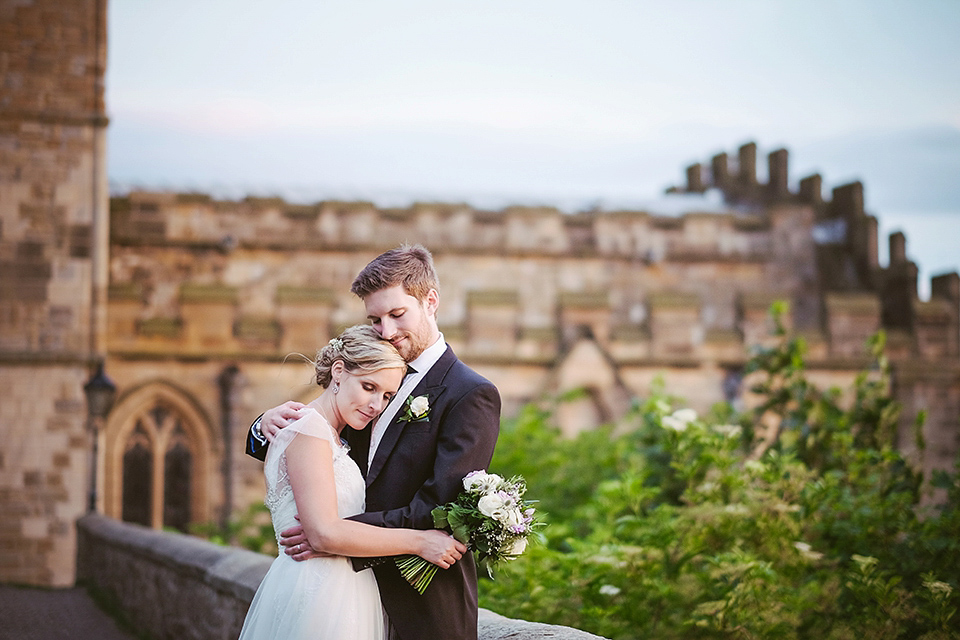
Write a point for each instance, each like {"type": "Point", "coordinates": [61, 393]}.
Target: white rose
{"type": "Point", "coordinates": [513, 518]}
{"type": "Point", "coordinates": [491, 482]}
{"type": "Point", "coordinates": [519, 546]}
{"type": "Point", "coordinates": [474, 480]}
{"type": "Point", "coordinates": [495, 479]}
{"type": "Point", "coordinates": [491, 505]}
{"type": "Point", "coordinates": [419, 406]}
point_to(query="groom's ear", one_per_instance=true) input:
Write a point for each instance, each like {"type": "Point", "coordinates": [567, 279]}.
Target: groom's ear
{"type": "Point", "coordinates": [432, 302]}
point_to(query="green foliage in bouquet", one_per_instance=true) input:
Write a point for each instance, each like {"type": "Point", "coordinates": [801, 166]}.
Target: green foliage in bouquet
{"type": "Point", "coordinates": [797, 519]}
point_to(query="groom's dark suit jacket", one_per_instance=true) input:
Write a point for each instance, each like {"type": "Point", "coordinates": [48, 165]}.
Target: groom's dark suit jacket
{"type": "Point", "coordinates": [417, 466]}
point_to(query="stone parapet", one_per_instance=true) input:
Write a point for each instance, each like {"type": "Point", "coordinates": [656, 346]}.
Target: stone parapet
{"type": "Point", "coordinates": [197, 222]}
{"type": "Point", "coordinates": [171, 585]}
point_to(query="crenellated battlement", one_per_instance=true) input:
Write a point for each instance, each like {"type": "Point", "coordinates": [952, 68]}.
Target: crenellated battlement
{"type": "Point", "coordinates": [737, 180]}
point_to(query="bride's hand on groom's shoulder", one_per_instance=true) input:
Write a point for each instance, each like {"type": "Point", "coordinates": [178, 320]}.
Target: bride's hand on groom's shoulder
{"type": "Point", "coordinates": [440, 548]}
{"type": "Point", "coordinates": [278, 417]}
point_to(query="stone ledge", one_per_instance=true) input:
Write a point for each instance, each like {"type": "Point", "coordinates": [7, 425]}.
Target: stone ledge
{"type": "Point", "coordinates": [148, 573]}
{"type": "Point", "coordinates": [493, 626]}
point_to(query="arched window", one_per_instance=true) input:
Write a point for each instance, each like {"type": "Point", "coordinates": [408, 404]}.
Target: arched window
{"type": "Point", "coordinates": [157, 462]}
{"type": "Point", "coordinates": [137, 477]}
{"type": "Point", "coordinates": [176, 481]}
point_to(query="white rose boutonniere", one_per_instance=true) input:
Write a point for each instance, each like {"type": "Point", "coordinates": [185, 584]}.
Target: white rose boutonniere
{"type": "Point", "coordinates": [416, 409]}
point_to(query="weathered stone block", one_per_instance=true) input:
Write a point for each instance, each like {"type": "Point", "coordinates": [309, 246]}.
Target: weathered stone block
{"type": "Point", "coordinates": [257, 329]}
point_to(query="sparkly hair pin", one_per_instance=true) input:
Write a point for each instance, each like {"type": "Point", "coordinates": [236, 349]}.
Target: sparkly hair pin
{"type": "Point", "coordinates": [336, 343]}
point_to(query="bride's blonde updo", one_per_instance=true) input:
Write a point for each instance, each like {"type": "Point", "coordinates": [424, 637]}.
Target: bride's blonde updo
{"type": "Point", "coordinates": [360, 348]}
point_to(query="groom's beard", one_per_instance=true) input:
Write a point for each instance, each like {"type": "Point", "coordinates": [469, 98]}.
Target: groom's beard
{"type": "Point", "coordinates": [414, 343]}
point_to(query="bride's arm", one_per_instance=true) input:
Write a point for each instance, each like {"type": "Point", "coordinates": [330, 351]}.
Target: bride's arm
{"type": "Point", "coordinates": [310, 469]}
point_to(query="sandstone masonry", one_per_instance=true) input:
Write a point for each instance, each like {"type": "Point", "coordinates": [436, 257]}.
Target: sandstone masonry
{"type": "Point", "coordinates": [53, 213]}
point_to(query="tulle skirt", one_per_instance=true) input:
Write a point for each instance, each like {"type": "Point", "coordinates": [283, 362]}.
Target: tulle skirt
{"type": "Point", "coordinates": [318, 599]}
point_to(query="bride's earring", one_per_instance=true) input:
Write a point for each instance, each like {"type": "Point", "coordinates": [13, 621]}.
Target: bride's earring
{"type": "Point", "coordinates": [336, 387]}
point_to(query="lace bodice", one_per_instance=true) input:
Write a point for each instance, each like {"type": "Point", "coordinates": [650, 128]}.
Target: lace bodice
{"type": "Point", "coordinates": [351, 488]}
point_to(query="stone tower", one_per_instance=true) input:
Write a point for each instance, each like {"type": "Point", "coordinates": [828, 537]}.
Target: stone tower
{"type": "Point", "coordinates": [53, 269]}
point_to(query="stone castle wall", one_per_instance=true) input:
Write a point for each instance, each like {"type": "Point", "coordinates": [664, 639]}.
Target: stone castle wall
{"type": "Point", "coordinates": [53, 206]}
{"type": "Point", "coordinates": [621, 273]}
{"type": "Point", "coordinates": [539, 301]}
{"type": "Point", "coordinates": [200, 287]}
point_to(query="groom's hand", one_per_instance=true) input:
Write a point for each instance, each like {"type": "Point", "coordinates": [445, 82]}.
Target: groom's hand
{"type": "Point", "coordinates": [278, 417]}
{"type": "Point", "coordinates": [295, 545]}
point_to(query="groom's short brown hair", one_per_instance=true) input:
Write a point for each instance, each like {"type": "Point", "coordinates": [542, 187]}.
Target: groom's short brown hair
{"type": "Point", "coordinates": [409, 265]}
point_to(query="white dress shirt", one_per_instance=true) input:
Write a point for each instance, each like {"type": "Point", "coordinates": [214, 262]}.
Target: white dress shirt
{"type": "Point", "coordinates": [421, 365]}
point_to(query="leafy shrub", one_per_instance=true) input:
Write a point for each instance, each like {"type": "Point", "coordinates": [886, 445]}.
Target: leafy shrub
{"type": "Point", "coordinates": [796, 520]}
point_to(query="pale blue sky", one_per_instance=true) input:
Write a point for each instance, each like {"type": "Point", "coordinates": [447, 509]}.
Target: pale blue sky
{"type": "Point", "coordinates": [560, 102]}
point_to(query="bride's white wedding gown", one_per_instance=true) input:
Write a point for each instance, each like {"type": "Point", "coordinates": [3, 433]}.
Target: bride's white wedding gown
{"type": "Point", "coordinates": [320, 598]}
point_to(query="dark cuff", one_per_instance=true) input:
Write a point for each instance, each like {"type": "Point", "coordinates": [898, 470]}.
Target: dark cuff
{"type": "Point", "coordinates": [359, 564]}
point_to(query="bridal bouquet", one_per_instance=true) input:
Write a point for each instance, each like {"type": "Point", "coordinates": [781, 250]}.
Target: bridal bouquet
{"type": "Point", "coordinates": [489, 516]}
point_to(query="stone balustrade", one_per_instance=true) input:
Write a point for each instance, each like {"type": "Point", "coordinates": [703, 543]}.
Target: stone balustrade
{"type": "Point", "coordinates": [170, 585]}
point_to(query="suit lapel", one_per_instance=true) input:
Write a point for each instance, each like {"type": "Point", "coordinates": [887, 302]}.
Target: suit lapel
{"type": "Point", "coordinates": [431, 386]}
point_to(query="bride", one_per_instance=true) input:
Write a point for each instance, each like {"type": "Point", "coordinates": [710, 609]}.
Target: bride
{"type": "Point", "coordinates": [310, 475]}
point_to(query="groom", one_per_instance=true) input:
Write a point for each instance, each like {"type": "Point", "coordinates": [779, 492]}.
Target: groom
{"type": "Point", "coordinates": [412, 465]}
